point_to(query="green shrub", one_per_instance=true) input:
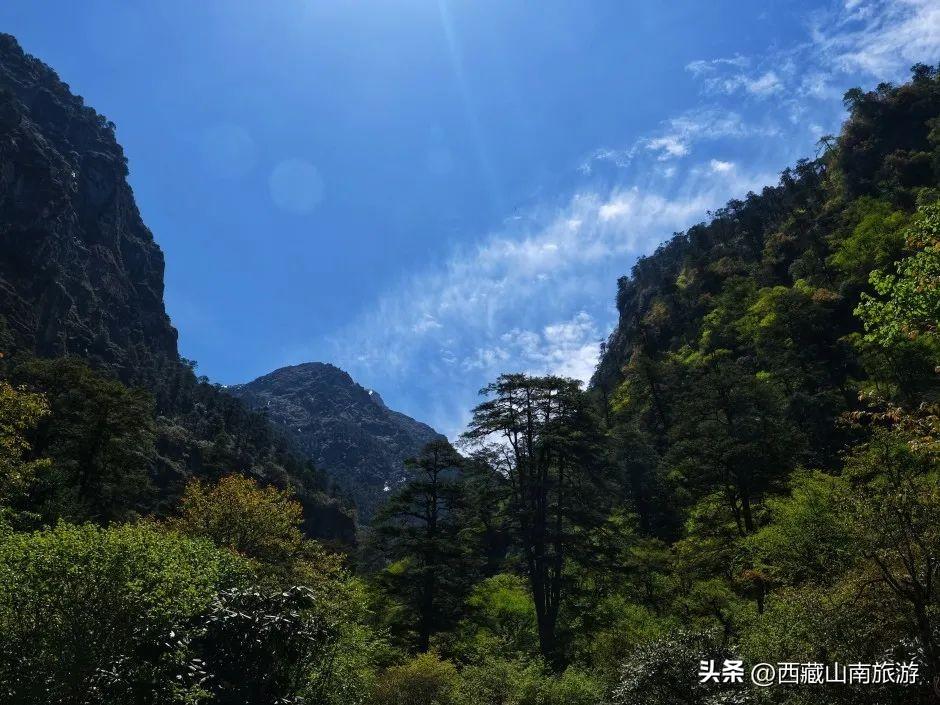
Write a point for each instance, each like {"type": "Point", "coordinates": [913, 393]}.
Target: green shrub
{"type": "Point", "coordinates": [500, 622]}
{"type": "Point", "coordinates": [424, 680]}
{"type": "Point", "coordinates": [495, 681]}
{"type": "Point", "coordinates": [573, 687]}
{"type": "Point", "coordinates": [101, 615]}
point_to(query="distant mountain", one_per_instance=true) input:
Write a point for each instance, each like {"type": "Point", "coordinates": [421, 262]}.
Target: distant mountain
{"type": "Point", "coordinates": [347, 429]}
{"type": "Point", "coordinates": [82, 277]}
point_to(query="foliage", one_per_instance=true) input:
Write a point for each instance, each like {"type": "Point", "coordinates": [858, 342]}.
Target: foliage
{"type": "Point", "coordinates": [664, 672]}
{"type": "Point", "coordinates": [347, 673]}
{"type": "Point", "coordinates": [20, 413]}
{"type": "Point", "coordinates": [908, 307]}
{"type": "Point", "coordinates": [875, 240]}
{"type": "Point", "coordinates": [497, 681]}
{"type": "Point", "coordinates": [90, 615]}
{"type": "Point", "coordinates": [261, 646]}
{"type": "Point", "coordinates": [540, 438]}
{"type": "Point", "coordinates": [896, 503]}
{"type": "Point", "coordinates": [260, 523]}
{"type": "Point", "coordinates": [808, 537]}
{"type": "Point", "coordinates": [500, 621]}
{"type": "Point", "coordinates": [304, 632]}
{"type": "Point", "coordinates": [420, 530]}
{"type": "Point", "coordinates": [424, 680]}
{"type": "Point", "coordinates": [784, 447]}
{"type": "Point", "coordinates": [731, 433]}
{"type": "Point", "coordinates": [99, 437]}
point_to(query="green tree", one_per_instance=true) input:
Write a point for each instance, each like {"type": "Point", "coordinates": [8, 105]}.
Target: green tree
{"type": "Point", "coordinates": [896, 503]}
{"type": "Point", "coordinates": [664, 671]}
{"type": "Point", "coordinates": [260, 523]}
{"type": "Point", "coordinates": [100, 439]}
{"type": "Point", "coordinates": [304, 628]}
{"type": "Point", "coordinates": [261, 646]}
{"type": "Point", "coordinates": [496, 681]}
{"type": "Point", "coordinates": [796, 341]}
{"type": "Point", "coordinates": [20, 414]}
{"type": "Point", "coordinates": [421, 529]}
{"type": "Point", "coordinates": [500, 681]}
{"type": "Point", "coordinates": [907, 306]}
{"type": "Point", "coordinates": [538, 434]}
{"type": "Point", "coordinates": [809, 536]}
{"type": "Point", "coordinates": [875, 239]}
{"type": "Point", "coordinates": [643, 412]}
{"type": "Point", "coordinates": [901, 344]}
{"type": "Point", "coordinates": [345, 672]}
{"type": "Point", "coordinates": [500, 621]}
{"type": "Point", "coordinates": [732, 434]}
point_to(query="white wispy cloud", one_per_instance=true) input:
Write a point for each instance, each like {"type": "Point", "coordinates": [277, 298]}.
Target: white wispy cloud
{"type": "Point", "coordinates": [678, 136]}
{"type": "Point", "coordinates": [536, 294]}
{"type": "Point", "coordinates": [875, 38]}
{"type": "Point", "coordinates": [568, 348]}
{"type": "Point", "coordinates": [668, 146]}
{"type": "Point", "coordinates": [719, 166]}
{"type": "Point", "coordinates": [882, 38]}
{"type": "Point", "coordinates": [727, 77]}
{"type": "Point", "coordinates": [766, 84]}
{"type": "Point", "coordinates": [702, 66]}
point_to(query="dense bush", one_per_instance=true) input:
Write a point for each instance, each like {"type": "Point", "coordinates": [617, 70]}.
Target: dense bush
{"type": "Point", "coordinates": [90, 615]}
{"type": "Point", "coordinates": [423, 680]}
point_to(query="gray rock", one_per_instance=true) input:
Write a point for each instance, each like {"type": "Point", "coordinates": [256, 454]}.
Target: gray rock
{"type": "Point", "coordinates": [346, 429]}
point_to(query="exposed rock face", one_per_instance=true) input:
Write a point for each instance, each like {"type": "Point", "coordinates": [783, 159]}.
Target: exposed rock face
{"type": "Point", "coordinates": [345, 428]}
{"type": "Point", "coordinates": [80, 273]}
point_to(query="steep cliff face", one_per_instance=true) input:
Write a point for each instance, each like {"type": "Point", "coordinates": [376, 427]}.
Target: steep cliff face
{"type": "Point", "coordinates": [81, 276]}
{"type": "Point", "coordinates": [345, 428]}
{"type": "Point", "coordinates": [80, 273]}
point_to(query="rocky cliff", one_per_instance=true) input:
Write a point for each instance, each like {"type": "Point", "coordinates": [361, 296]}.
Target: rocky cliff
{"type": "Point", "coordinates": [81, 276]}
{"type": "Point", "coordinates": [80, 273]}
{"type": "Point", "coordinates": [347, 429]}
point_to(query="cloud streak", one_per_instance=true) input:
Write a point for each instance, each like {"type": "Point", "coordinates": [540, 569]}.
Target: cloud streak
{"type": "Point", "coordinates": [678, 135]}
{"type": "Point", "coordinates": [883, 38]}
{"type": "Point", "coordinates": [536, 294]}
{"type": "Point", "coordinates": [877, 39]}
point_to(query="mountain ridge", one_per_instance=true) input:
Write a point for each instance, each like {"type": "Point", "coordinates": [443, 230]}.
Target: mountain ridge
{"type": "Point", "coordinates": [347, 429]}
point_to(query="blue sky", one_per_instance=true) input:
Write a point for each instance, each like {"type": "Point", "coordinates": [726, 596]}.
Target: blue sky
{"type": "Point", "coordinates": [430, 192]}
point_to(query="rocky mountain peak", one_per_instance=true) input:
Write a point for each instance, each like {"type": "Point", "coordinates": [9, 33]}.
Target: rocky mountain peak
{"type": "Point", "coordinates": [347, 429]}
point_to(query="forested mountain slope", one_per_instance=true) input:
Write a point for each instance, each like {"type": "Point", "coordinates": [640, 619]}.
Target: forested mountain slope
{"type": "Point", "coordinates": [82, 278]}
{"type": "Point", "coordinates": [342, 426]}
{"type": "Point", "coordinates": [767, 290]}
